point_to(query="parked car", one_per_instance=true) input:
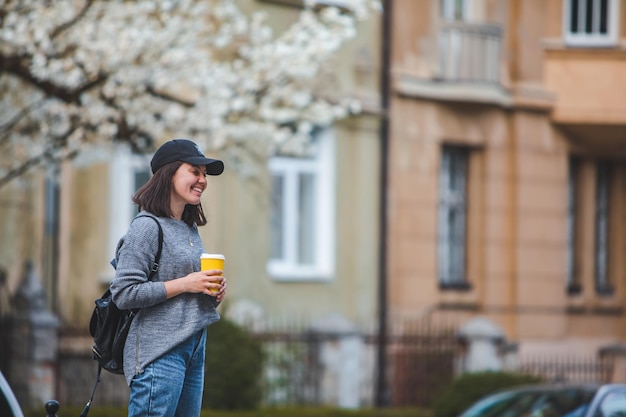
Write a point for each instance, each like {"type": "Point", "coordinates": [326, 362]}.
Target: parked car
{"type": "Point", "coordinates": [9, 406]}
{"type": "Point", "coordinates": [553, 400]}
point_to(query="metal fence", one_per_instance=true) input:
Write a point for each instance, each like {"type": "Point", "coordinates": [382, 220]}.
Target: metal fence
{"type": "Point", "coordinates": [421, 361]}
{"type": "Point", "coordinates": [420, 364]}
{"type": "Point", "coordinates": [569, 369]}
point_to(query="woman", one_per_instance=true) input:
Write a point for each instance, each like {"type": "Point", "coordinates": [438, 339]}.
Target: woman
{"type": "Point", "coordinates": [164, 351]}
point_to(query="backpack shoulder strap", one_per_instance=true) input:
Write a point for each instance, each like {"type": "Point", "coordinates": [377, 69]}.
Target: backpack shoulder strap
{"type": "Point", "coordinates": [157, 258]}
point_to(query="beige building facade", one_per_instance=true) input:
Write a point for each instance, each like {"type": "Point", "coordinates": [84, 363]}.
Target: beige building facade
{"type": "Point", "coordinates": [507, 193]}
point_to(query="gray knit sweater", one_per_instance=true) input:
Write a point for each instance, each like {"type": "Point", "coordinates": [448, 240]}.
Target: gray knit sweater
{"type": "Point", "coordinates": [160, 324]}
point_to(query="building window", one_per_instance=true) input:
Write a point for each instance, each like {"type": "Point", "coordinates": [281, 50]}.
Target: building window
{"type": "Point", "coordinates": [573, 282]}
{"type": "Point", "coordinates": [602, 237]}
{"type": "Point", "coordinates": [128, 172]}
{"type": "Point", "coordinates": [455, 10]}
{"type": "Point", "coordinates": [591, 22]}
{"type": "Point", "coordinates": [452, 217]}
{"type": "Point", "coordinates": [302, 226]}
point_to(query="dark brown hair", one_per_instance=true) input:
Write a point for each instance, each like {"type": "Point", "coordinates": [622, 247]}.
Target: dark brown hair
{"type": "Point", "coordinates": [155, 195]}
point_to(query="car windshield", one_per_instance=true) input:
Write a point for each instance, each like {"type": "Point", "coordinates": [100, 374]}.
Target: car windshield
{"type": "Point", "coordinates": [570, 402]}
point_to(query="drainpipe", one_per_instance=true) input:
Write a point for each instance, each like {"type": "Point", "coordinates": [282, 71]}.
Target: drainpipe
{"type": "Point", "coordinates": [51, 236]}
{"type": "Point", "coordinates": [382, 397]}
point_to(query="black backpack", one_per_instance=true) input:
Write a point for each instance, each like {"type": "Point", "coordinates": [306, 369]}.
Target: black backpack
{"type": "Point", "coordinates": [109, 326]}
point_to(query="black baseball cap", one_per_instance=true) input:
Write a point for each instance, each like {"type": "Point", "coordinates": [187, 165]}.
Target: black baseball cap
{"type": "Point", "coordinates": [186, 151]}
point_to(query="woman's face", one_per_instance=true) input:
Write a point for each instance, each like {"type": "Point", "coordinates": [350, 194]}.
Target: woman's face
{"type": "Point", "coordinates": [189, 183]}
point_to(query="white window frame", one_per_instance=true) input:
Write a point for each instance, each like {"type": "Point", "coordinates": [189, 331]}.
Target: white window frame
{"type": "Point", "coordinates": [123, 167]}
{"type": "Point", "coordinates": [449, 8]}
{"type": "Point", "coordinates": [594, 39]}
{"type": "Point", "coordinates": [322, 165]}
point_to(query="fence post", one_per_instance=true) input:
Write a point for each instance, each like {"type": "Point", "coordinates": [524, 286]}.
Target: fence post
{"type": "Point", "coordinates": [510, 357]}
{"type": "Point", "coordinates": [34, 343]}
{"type": "Point", "coordinates": [483, 339]}
{"type": "Point", "coordinates": [617, 352]}
{"type": "Point", "coordinates": [341, 354]}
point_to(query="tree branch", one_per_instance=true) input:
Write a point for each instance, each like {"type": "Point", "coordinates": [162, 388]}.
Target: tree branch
{"type": "Point", "coordinates": [65, 26]}
{"type": "Point", "coordinates": [18, 66]}
{"type": "Point", "coordinates": [12, 122]}
{"type": "Point", "coordinates": [168, 97]}
{"type": "Point", "coordinates": [47, 155]}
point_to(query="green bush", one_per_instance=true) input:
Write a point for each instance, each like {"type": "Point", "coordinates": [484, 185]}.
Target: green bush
{"type": "Point", "coordinates": [233, 368]}
{"type": "Point", "coordinates": [470, 387]}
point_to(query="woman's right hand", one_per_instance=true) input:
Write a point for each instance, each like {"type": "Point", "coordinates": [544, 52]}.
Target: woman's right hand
{"type": "Point", "coordinates": [203, 282]}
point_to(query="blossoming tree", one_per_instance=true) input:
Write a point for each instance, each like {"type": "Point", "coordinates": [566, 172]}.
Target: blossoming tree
{"type": "Point", "coordinates": [80, 73]}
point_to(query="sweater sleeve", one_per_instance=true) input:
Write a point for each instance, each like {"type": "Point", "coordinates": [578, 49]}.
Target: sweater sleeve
{"type": "Point", "coordinates": [135, 256]}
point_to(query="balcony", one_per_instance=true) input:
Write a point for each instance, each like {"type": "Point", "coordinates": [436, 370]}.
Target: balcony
{"type": "Point", "coordinates": [467, 70]}
{"type": "Point", "coordinates": [589, 85]}
{"type": "Point", "coordinates": [469, 52]}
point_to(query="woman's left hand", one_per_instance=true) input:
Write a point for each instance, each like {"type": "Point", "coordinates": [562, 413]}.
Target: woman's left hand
{"type": "Point", "coordinates": [222, 292]}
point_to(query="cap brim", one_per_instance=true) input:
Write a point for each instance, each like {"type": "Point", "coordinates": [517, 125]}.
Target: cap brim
{"type": "Point", "coordinates": [213, 166]}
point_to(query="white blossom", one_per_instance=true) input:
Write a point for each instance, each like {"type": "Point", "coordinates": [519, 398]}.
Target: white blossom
{"type": "Point", "coordinates": [80, 73]}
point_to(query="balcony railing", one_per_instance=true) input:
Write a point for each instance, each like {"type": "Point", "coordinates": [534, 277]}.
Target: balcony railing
{"type": "Point", "coordinates": [470, 52]}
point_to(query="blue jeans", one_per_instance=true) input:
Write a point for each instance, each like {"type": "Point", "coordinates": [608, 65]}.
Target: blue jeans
{"type": "Point", "coordinates": [172, 385]}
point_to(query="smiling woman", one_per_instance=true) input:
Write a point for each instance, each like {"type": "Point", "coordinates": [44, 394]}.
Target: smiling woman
{"type": "Point", "coordinates": [165, 366]}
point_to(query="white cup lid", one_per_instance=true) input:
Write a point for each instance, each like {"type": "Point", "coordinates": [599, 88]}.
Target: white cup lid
{"type": "Point", "coordinates": [213, 256]}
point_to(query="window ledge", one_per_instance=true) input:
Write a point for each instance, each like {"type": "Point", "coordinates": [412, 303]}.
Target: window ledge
{"type": "Point", "coordinates": [608, 311]}
{"type": "Point", "coordinates": [455, 286]}
{"type": "Point", "coordinates": [559, 44]}
{"type": "Point", "coordinates": [298, 274]}
{"type": "Point", "coordinates": [574, 289]}
{"type": "Point", "coordinates": [475, 307]}
{"type": "Point", "coordinates": [590, 41]}
{"type": "Point", "coordinates": [453, 91]}
{"type": "Point", "coordinates": [605, 291]}
{"type": "Point", "coordinates": [597, 310]}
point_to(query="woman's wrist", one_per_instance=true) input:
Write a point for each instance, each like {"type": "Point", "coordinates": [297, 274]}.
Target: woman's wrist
{"type": "Point", "coordinates": [175, 287]}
